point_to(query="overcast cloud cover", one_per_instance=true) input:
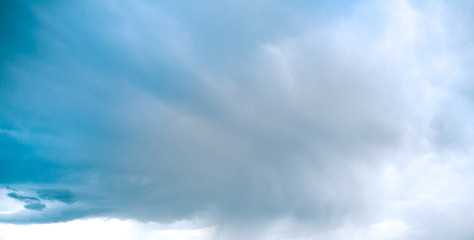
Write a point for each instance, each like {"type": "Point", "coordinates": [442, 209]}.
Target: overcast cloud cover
{"type": "Point", "coordinates": [261, 119]}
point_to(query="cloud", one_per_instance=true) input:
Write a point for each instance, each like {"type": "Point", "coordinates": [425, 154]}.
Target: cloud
{"type": "Point", "coordinates": [252, 116]}
{"type": "Point", "coordinates": [62, 195]}
{"type": "Point", "coordinates": [35, 206]}
{"type": "Point", "coordinates": [100, 228]}
{"type": "Point", "coordinates": [32, 203]}
{"type": "Point", "coordinates": [37, 201]}
{"type": "Point", "coordinates": [22, 198]}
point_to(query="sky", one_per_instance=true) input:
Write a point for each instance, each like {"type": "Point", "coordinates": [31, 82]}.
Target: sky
{"type": "Point", "coordinates": [232, 120]}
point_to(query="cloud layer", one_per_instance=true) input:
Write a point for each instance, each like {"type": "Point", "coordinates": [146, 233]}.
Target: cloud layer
{"type": "Point", "coordinates": [264, 119]}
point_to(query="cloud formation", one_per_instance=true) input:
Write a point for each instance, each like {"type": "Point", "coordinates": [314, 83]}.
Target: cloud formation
{"type": "Point", "coordinates": [264, 119]}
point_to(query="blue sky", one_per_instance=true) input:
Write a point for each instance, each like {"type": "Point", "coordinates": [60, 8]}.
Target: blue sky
{"type": "Point", "coordinates": [258, 119]}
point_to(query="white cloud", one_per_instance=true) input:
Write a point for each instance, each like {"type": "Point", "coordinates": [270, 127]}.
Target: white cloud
{"type": "Point", "coordinates": [100, 228]}
{"type": "Point", "coordinates": [8, 205]}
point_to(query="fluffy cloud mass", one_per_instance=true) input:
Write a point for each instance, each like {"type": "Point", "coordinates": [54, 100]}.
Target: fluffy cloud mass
{"type": "Point", "coordinates": [267, 120]}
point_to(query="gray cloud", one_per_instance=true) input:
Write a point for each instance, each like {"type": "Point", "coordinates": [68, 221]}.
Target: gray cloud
{"type": "Point", "coordinates": [244, 115]}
